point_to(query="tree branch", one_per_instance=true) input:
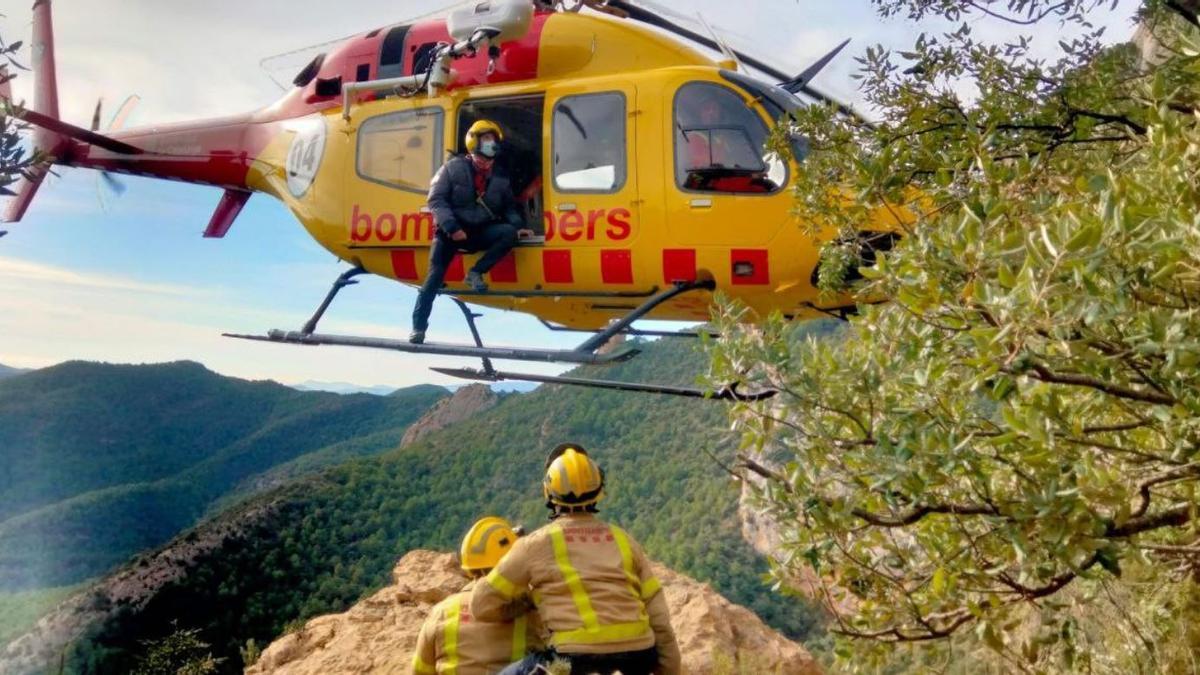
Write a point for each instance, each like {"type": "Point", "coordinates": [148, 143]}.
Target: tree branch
{"type": "Point", "coordinates": [1182, 473]}
{"type": "Point", "coordinates": [1044, 374]}
{"type": "Point", "coordinates": [1172, 517]}
{"type": "Point", "coordinates": [902, 519]}
{"type": "Point", "coordinates": [898, 635]}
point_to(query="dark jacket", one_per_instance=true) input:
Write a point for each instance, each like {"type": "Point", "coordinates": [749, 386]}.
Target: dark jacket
{"type": "Point", "coordinates": [453, 203]}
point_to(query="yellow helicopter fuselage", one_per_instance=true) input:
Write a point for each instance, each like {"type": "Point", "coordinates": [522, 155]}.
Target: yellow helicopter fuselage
{"type": "Point", "coordinates": [365, 199]}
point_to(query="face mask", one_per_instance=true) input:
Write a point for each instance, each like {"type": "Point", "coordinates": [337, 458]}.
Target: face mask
{"type": "Point", "coordinates": [489, 148]}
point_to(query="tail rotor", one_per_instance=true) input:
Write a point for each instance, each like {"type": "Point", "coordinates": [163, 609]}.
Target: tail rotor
{"type": "Point", "coordinates": [108, 186]}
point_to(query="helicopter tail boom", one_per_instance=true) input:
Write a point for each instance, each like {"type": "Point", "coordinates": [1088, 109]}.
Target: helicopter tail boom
{"type": "Point", "coordinates": [45, 103]}
{"type": "Point", "coordinates": [217, 152]}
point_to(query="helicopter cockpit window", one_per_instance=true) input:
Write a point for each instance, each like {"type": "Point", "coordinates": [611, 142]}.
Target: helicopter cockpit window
{"type": "Point", "coordinates": [402, 149]}
{"type": "Point", "coordinates": [720, 143]}
{"type": "Point", "coordinates": [589, 143]}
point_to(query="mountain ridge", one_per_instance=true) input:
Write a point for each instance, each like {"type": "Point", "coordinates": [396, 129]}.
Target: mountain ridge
{"type": "Point", "coordinates": [10, 371]}
{"type": "Point", "coordinates": [105, 460]}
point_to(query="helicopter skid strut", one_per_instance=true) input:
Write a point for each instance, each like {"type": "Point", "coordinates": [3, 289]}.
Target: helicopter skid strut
{"type": "Point", "coordinates": [586, 353]}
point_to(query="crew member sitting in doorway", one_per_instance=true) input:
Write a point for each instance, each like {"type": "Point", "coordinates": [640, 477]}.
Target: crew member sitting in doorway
{"type": "Point", "coordinates": [474, 209]}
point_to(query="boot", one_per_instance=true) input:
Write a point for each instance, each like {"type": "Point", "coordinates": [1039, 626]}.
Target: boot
{"type": "Point", "coordinates": [476, 282]}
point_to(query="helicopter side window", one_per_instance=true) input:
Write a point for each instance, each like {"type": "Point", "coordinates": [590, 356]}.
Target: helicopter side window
{"type": "Point", "coordinates": [720, 143]}
{"type": "Point", "coordinates": [391, 53]}
{"type": "Point", "coordinates": [400, 149]}
{"type": "Point", "coordinates": [589, 143]}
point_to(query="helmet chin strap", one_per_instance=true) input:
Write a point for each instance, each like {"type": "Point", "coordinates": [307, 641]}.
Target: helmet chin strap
{"type": "Point", "coordinates": [558, 510]}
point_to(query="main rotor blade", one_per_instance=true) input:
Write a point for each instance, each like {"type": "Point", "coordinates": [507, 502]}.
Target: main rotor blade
{"type": "Point", "coordinates": [649, 17]}
{"type": "Point", "coordinates": [809, 73]}
{"type": "Point", "coordinates": [77, 133]}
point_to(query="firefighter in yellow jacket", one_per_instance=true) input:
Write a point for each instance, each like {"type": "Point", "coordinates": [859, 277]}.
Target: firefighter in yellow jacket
{"type": "Point", "coordinates": [590, 581]}
{"type": "Point", "coordinates": [453, 641]}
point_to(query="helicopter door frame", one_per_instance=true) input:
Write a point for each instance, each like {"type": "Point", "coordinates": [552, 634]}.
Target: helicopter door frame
{"type": "Point", "coordinates": [521, 121]}
{"type": "Point", "coordinates": [591, 180]}
{"type": "Point", "coordinates": [722, 219]}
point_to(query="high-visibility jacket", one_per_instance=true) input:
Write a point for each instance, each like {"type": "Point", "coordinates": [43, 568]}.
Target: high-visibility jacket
{"type": "Point", "coordinates": [453, 642]}
{"type": "Point", "coordinates": [593, 588]}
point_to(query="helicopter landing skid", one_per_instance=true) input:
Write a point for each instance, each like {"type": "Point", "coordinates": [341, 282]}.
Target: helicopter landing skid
{"type": "Point", "coordinates": [727, 393]}
{"type": "Point", "coordinates": [440, 349]}
{"type": "Point", "coordinates": [588, 352]}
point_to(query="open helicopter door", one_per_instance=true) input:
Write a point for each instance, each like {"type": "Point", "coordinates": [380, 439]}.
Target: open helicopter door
{"type": "Point", "coordinates": [590, 185]}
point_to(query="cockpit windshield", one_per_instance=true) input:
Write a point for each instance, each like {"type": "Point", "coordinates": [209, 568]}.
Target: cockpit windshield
{"type": "Point", "coordinates": [776, 100]}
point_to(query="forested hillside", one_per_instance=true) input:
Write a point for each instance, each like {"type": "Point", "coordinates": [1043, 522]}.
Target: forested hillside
{"type": "Point", "coordinates": [333, 538]}
{"type": "Point", "coordinates": [102, 461]}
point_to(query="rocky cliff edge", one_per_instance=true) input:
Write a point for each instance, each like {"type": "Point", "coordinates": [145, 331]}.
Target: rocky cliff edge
{"type": "Point", "coordinates": [379, 634]}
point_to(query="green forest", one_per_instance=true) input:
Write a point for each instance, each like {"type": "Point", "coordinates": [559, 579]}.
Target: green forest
{"type": "Point", "coordinates": [102, 461]}
{"type": "Point", "coordinates": [334, 537]}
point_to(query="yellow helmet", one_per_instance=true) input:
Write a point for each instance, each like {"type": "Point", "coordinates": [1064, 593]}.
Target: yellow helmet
{"type": "Point", "coordinates": [480, 128]}
{"type": "Point", "coordinates": [572, 478]}
{"type": "Point", "coordinates": [486, 543]}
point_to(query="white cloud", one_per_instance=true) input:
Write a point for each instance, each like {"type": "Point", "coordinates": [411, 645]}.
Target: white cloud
{"type": "Point", "coordinates": [14, 271]}
{"type": "Point", "coordinates": [49, 314]}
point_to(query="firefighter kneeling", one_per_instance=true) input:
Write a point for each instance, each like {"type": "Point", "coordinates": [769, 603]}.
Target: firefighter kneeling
{"type": "Point", "coordinates": [591, 583]}
{"type": "Point", "coordinates": [451, 640]}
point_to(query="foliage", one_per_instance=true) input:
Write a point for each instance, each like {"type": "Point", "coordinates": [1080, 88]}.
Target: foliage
{"type": "Point", "coordinates": [15, 160]}
{"type": "Point", "coordinates": [250, 653]}
{"type": "Point", "coordinates": [1011, 444]}
{"type": "Point", "coordinates": [180, 653]}
{"type": "Point", "coordinates": [335, 538]}
{"type": "Point", "coordinates": [102, 461]}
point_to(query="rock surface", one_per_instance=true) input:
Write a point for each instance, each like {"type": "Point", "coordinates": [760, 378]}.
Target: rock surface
{"type": "Point", "coordinates": [378, 635]}
{"type": "Point", "coordinates": [466, 402]}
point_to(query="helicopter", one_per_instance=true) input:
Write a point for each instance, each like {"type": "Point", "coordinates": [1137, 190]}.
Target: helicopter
{"type": "Point", "coordinates": [641, 165]}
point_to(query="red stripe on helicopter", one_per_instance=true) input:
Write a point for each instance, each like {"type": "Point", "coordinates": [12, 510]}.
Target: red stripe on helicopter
{"type": "Point", "coordinates": [748, 267]}
{"type": "Point", "coordinates": [455, 271]}
{"type": "Point", "coordinates": [616, 266]}
{"type": "Point", "coordinates": [679, 264]}
{"type": "Point", "coordinates": [404, 265]}
{"type": "Point", "coordinates": [505, 271]}
{"type": "Point", "coordinates": [556, 267]}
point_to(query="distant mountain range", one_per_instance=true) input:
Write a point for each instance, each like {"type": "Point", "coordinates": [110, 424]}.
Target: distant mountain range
{"type": "Point", "coordinates": [98, 462]}
{"type": "Point", "coordinates": [384, 390]}
{"type": "Point", "coordinates": [343, 388]}
{"type": "Point", "coordinates": [9, 371]}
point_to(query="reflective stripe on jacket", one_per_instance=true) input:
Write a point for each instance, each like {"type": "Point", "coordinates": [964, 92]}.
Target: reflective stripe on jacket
{"type": "Point", "coordinates": [593, 588]}
{"type": "Point", "coordinates": [453, 642]}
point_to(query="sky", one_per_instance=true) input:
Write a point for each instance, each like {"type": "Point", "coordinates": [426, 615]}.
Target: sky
{"type": "Point", "coordinates": [130, 280]}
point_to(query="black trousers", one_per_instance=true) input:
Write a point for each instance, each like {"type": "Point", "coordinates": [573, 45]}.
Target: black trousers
{"type": "Point", "coordinates": [495, 240]}
{"type": "Point", "coordinates": [627, 663]}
